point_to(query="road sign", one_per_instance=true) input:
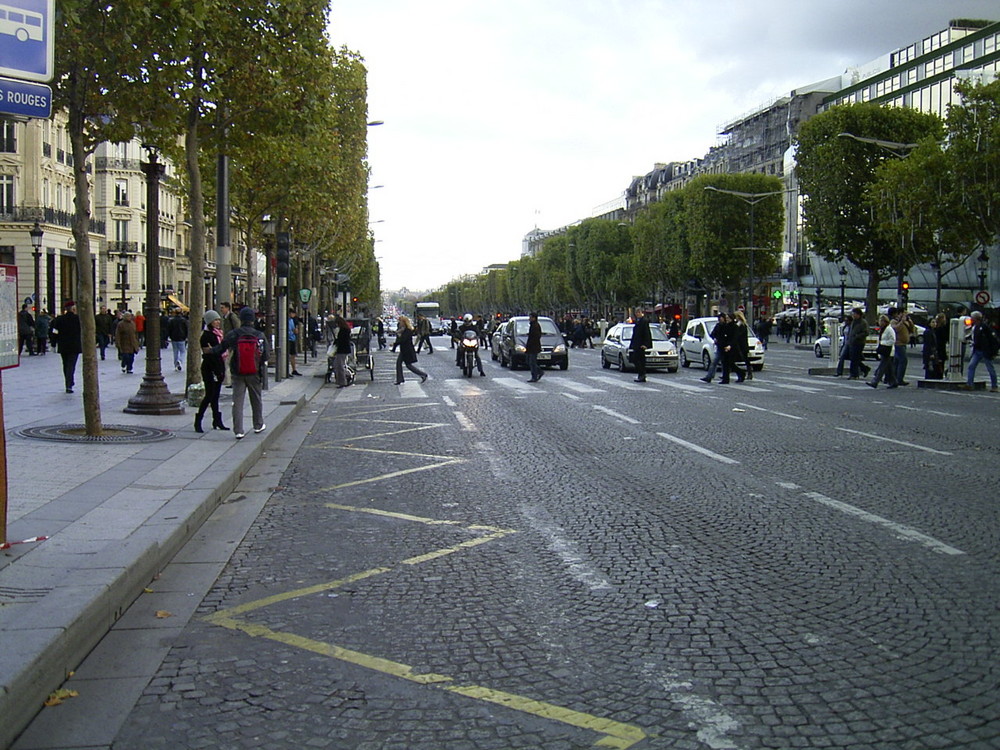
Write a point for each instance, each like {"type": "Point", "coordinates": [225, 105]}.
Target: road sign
{"type": "Point", "coordinates": [305, 295]}
{"type": "Point", "coordinates": [23, 98]}
{"type": "Point", "coordinates": [982, 297]}
{"type": "Point", "coordinates": [27, 32]}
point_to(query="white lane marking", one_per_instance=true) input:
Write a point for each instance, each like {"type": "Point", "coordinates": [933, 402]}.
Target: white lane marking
{"type": "Point", "coordinates": [698, 449]}
{"type": "Point", "coordinates": [615, 414]}
{"type": "Point", "coordinates": [927, 411]}
{"type": "Point", "coordinates": [350, 394]}
{"type": "Point", "coordinates": [466, 423]}
{"type": "Point", "coordinates": [572, 396]}
{"type": "Point", "coordinates": [448, 401]}
{"type": "Point", "coordinates": [901, 531]}
{"type": "Point", "coordinates": [521, 386]}
{"type": "Point", "coordinates": [464, 386]}
{"type": "Point", "coordinates": [682, 386]}
{"type": "Point", "coordinates": [411, 389]}
{"type": "Point", "coordinates": [711, 719]}
{"type": "Point", "coordinates": [565, 548]}
{"type": "Point", "coordinates": [580, 387]}
{"type": "Point", "coordinates": [897, 442]}
{"type": "Point", "coordinates": [790, 387]}
{"type": "Point", "coordinates": [788, 485]}
{"type": "Point", "coordinates": [619, 383]}
{"type": "Point", "coordinates": [745, 386]}
{"type": "Point", "coordinates": [769, 411]}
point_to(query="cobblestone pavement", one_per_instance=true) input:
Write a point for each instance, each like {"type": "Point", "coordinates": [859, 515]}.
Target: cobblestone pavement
{"type": "Point", "coordinates": [587, 561]}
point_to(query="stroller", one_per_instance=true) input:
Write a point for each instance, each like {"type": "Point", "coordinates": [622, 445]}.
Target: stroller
{"type": "Point", "coordinates": [360, 356]}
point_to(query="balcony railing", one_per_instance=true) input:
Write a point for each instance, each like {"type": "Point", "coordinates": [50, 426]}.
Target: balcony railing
{"type": "Point", "coordinates": [117, 162]}
{"type": "Point", "coordinates": [31, 214]}
{"type": "Point", "coordinates": [118, 247]}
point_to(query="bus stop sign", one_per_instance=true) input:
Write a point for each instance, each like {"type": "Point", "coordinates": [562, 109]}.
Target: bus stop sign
{"type": "Point", "coordinates": [27, 32]}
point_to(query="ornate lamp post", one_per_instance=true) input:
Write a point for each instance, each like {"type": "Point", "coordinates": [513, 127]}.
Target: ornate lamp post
{"type": "Point", "coordinates": [153, 397]}
{"type": "Point", "coordinates": [36, 244]}
{"type": "Point", "coordinates": [843, 285]}
{"type": "Point", "coordinates": [983, 266]}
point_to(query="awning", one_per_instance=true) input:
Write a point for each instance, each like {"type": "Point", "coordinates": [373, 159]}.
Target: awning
{"type": "Point", "coordinates": [177, 303]}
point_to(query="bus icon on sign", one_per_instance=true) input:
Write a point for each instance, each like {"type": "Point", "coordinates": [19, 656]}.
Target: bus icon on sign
{"type": "Point", "coordinates": [21, 24]}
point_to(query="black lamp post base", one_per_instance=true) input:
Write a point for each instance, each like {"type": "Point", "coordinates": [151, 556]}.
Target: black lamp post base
{"type": "Point", "coordinates": [154, 398]}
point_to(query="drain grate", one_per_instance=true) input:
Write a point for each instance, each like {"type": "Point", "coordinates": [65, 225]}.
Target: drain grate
{"type": "Point", "coordinates": [77, 433]}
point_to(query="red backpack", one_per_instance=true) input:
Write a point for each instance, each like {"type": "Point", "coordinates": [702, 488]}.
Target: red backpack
{"type": "Point", "coordinates": [249, 354]}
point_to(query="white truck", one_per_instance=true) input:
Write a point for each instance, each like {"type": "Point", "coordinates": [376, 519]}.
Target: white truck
{"type": "Point", "coordinates": [432, 311]}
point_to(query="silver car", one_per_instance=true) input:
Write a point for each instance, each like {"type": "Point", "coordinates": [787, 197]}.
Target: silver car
{"type": "Point", "coordinates": [615, 350]}
{"type": "Point", "coordinates": [698, 346]}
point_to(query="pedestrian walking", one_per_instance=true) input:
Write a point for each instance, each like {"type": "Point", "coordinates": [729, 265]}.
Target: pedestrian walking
{"type": "Point", "coordinates": [886, 345]}
{"type": "Point", "coordinates": [140, 327]}
{"type": "Point", "coordinates": [533, 347]}
{"type": "Point", "coordinates": [213, 368]}
{"type": "Point", "coordinates": [717, 331]}
{"type": "Point", "coordinates": [732, 351]}
{"type": "Point", "coordinates": [933, 367]}
{"type": "Point", "coordinates": [230, 322]}
{"type": "Point", "coordinates": [380, 333]}
{"type": "Point", "coordinates": [177, 332]}
{"type": "Point", "coordinates": [984, 348]}
{"type": "Point", "coordinates": [342, 351]}
{"type": "Point", "coordinates": [249, 354]}
{"type": "Point", "coordinates": [103, 323]}
{"type": "Point", "coordinates": [941, 334]}
{"type": "Point", "coordinates": [424, 334]}
{"type": "Point", "coordinates": [25, 331]}
{"type": "Point", "coordinates": [127, 342]}
{"type": "Point", "coordinates": [857, 336]}
{"type": "Point", "coordinates": [66, 337]}
{"type": "Point", "coordinates": [741, 338]}
{"type": "Point", "coordinates": [294, 335]}
{"type": "Point", "coordinates": [407, 353]}
{"type": "Point", "coordinates": [642, 340]}
{"type": "Point", "coordinates": [905, 330]}
{"type": "Point", "coordinates": [42, 325]}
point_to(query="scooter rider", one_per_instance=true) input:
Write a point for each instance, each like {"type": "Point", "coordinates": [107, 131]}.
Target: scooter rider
{"type": "Point", "coordinates": [468, 324]}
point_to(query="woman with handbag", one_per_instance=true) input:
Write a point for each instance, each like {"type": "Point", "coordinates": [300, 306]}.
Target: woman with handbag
{"type": "Point", "coordinates": [886, 345]}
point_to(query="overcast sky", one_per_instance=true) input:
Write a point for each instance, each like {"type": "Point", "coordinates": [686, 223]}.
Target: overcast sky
{"type": "Point", "coordinates": [504, 115]}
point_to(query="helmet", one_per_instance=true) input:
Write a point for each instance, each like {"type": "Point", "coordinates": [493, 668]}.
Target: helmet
{"type": "Point", "coordinates": [467, 317]}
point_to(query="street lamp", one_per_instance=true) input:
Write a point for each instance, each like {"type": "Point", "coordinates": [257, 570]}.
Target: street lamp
{"type": "Point", "coordinates": [751, 199]}
{"type": "Point", "coordinates": [123, 272]}
{"type": "Point", "coordinates": [983, 266]}
{"type": "Point", "coordinates": [36, 243]}
{"type": "Point", "coordinates": [843, 285]}
{"type": "Point", "coordinates": [153, 397]}
{"type": "Point", "coordinates": [270, 226]}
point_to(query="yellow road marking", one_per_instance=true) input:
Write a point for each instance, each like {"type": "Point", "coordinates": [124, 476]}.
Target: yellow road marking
{"type": "Point", "coordinates": [390, 475]}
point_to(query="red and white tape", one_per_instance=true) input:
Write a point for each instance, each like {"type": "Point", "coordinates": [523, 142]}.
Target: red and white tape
{"type": "Point", "coordinates": [7, 545]}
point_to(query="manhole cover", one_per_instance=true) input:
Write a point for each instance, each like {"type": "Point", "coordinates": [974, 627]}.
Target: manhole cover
{"type": "Point", "coordinates": [77, 433]}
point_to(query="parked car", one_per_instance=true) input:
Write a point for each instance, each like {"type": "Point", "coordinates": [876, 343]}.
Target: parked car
{"type": "Point", "coordinates": [495, 340]}
{"type": "Point", "coordinates": [697, 344]}
{"type": "Point", "coordinates": [514, 335]}
{"type": "Point", "coordinates": [615, 351]}
{"type": "Point", "coordinates": [821, 347]}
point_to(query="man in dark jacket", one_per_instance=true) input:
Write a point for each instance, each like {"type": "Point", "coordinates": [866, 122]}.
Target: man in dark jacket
{"type": "Point", "coordinates": [66, 337]}
{"type": "Point", "coordinates": [642, 339]}
{"type": "Point", "coordinates": [857, 335]}
{"type": "Point", "coordinates": [177, 332]}
{"type": "Point", "coordinates": [25, 331]}
{"type": "Point", "coordinates": [102, 325]}
{"type": "Point", "coordinates": [252, 383]}
{"type": "Point", "coordinates": [533, 347]}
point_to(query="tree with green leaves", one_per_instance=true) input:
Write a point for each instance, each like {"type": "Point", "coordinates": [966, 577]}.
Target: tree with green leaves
{"type": "Point", "coordinates": [835, 172]}
{"type": "Point", "coordinates": [661, 255]}
{"type": "Point", "coordinates": [726, 215]}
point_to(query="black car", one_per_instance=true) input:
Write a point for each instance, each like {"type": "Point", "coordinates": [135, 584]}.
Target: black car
{"type": "Point", "coordinates": [514, 335]}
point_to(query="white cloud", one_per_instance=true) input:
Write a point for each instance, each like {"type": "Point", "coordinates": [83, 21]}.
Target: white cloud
{"type": "Point", "coordinates": [500, 116]}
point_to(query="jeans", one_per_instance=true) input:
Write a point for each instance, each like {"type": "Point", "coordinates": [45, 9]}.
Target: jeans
{"type": "Point", "coordinates": [856, 355]}
{"type": "Point", "coordinates": [977, 357]}
{"type": "Point", "coordinates": [128, 360]}
{"type": "Point", "coordinates": [885, 367]}
{"type": "Point", "coordinates": [103, 340]}
{"type": "Point", "coordinates": [716, 361]}
{"type": "Point", "coordinates": [536, 369]}
{"type": "Point", "coordinates": [180, 353]}
{"type": "Point", "coordinates": [899, 362]}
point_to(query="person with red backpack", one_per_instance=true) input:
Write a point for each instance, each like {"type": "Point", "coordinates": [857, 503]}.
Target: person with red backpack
{"type": "Point", "coordinates": [249, 357]}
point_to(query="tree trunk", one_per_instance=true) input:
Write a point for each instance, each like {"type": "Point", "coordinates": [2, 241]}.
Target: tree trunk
{"type": "Point", "coordinates": [85, 271]}
{"type": "Point", "coordinates": [197, 208]}
{"type": "Point", "coordinates": [871, 298]}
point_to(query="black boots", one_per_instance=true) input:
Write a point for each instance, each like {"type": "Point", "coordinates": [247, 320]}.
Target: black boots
{"type": "Point", "coordinates": [217, 422]}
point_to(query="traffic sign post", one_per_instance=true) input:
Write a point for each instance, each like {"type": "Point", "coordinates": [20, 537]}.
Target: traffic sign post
{"type": "Point", "coordinates": [982, 297]}
{"type": "Point", "coordinates": [27, 32]}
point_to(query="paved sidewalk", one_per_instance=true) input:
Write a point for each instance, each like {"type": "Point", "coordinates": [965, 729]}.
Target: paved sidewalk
{"type": "Point", "coordinates": [116, 513]}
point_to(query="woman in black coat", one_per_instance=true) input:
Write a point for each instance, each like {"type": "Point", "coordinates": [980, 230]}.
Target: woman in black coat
{"type": "Point", "coordinates": [342, 350]}
{"type": "Point", "coordinates": [407, 354]}
{"type": "Point", "coordinates": [213, 371]}
{"type": "Point", "coordinates": [729, 344]}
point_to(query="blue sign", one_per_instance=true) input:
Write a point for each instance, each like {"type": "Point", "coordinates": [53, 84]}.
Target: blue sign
{"type": "Point", "coordinates": [26, 39]}
{"type": "Point", "coordinates": [25, 99]}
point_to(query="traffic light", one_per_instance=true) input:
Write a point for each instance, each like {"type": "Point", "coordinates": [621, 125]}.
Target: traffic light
{"type": "Point", "coordinates": [777, 294]}
{"type": "Point", "coordinates": [284, 253]}
{"type": "Point", "coordinates": [904, 293]}
{"type": "Point", "coordinates": [354, 300]}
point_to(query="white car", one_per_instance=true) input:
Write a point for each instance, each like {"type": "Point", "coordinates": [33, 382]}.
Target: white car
{"type": "Point", "coordinates": [614, 350]}
{"type": "Point", "coordinates": [697, 344]}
